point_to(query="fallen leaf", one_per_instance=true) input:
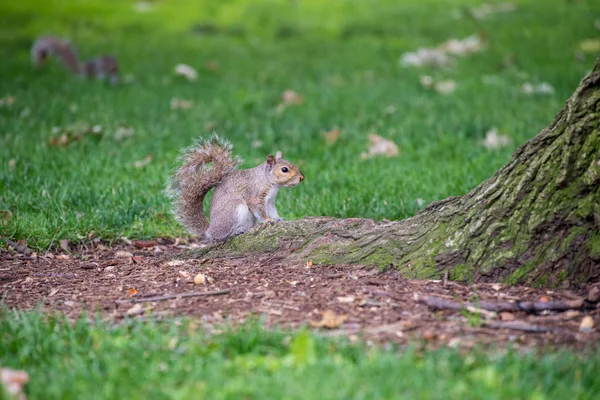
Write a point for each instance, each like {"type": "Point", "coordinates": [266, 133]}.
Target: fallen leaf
{"type": "Point", "coordinates": [460, 47]}
{"type": "Point", "coordinates": [7, 101]}
{"type": "Point", "coordinates": [442, 54]}
{"type": "Point", "coordinates": [487, 9]}
{"type": "Point", "coordinates": [136, 309]}
{"type": "Point", "coordinates": [544, 299]}
{"type": "Point", "coordinates": [346, 299]}
{"type": "Point", "coordinates": [64, 244]}
{"type": "Point", "coordinates": [309, 263]}
{"type": "Point", "coordinates": [493, 140]}
{"type": "Point", "coordinates": [132, 292]}
{"type": "Point", "coordinates": [144, 244]}
{"type": "Point", "coordinates": [212, 65]}
{"type": "Point", "coordinates": [428, 334]}
{"type": "Point", "coordinates": [180, 104]}
{"type": "Point", "coordinates": [571, 314]}
{"type": "Point", "coordinates": [200, 279]}
{"type": "Point", "coordinates": [290, 97]}
{"type": "Point", "coordinates": [587, 324]}
{"type": "Point", "coordinates": [590, 45]}
{"type": "Point", "coordinates": [445, 87]}
{"type": "Point", "coordinates": [123, 254]}
{"type": "Point", "coordinates": [541, 88]}
{"type": "Point", "coordinates": [594, 292]}
{"type": "Point", "coordinates": [424, 57]}
{"type": "Point", "coordinates": [185, 275]}
{"type": "Point", "coordinates": [186, 71]}
{"type": "Point", "coordinates": [12, 163]}
{"type": "Point", "coordinates": [294, 283]}
{"type": "Point", "coordinates": [137, 259]}
{"type": "Point", "coordinates": [110, 268]}
{"type": "Point", "coordinates": [506, 316]}
{"type": "Point", "coordinates": [143, 162]}
{"type": "Point", "coordinates": [496, 286]}
{"type": "Point", "coordinates": [53, 292]}
{"type": "Point", "coordinates": [379, 146]}
{"type": "Point", "coordinates": [175, 263]}
{"type": "Point", "coordinates": [5, 216]}
{"type": "Point", "coordinates": [13, 381]}
{"type": "Point", "coordinates": [329, 320]}
{"type": "Point", "coordinates": [331, 136]}
{"type": "Point", "coordinates": [123, 132]}
{"type": "Point", "coordinates": [426, 81]}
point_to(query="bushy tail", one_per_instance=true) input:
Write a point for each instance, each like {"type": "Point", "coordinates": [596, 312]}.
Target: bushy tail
{"type": "Point", "coordinates": [46, 46]}
{"type": "Point", "coordinates": [203, 166]}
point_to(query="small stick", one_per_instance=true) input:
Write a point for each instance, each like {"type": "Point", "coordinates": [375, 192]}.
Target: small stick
{"type": "Point", "coordinates": [174, 296]}
{"type": "Point", "coordinates": [518, 326]}
{"type": "Point", "coordinates": [528, 306]}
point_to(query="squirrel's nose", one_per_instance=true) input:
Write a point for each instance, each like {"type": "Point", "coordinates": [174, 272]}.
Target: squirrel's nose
{"type": "Point", "coordinates": [301, 178]}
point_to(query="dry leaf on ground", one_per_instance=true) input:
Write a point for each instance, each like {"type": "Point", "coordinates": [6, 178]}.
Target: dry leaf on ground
{"type": "Point", "coordinates": [123, 132]}
{"type": "Point", "coordinates": [379, 146]}
{"type": "Point", "coordinates": [587, 324]}
{"type": "Point", "coordinates": [180, 104]}
{"type": "Point", "coordinates": [143, 162]}
{"type": "Point", "coordinates": [7, 101]}
{"type": "Point", "coordinates": [540, 88]}
{"type": "Point", "coordinates": [13, 381]}
{"type": "Point", "coordinates": [290, 97]}
{"type": "Point", "coordinates": [487, 9]}
{"type": "Point", "coordinates": [135, 310]}
{"type": "Point", "coordinates": [5, 216]}
{"type": "Point", "coordinates": [329, 320]}
{"type": "Point", "coordinates": [445, 87]}
{"type": "Point", "coordinates": [331, 136]}
{"type": "Point", "coordinates": [186, 71]}
{"type": "Point", "coordinates": [493, 140]}
{"type": "Point", "coordinates": [123, 254]}
{"type": "Point", "coordinates": [212, 65]}
{"type": "Point", "coordinates": [442, 54]}
{"type": "Point", "coordinates": [200, 279]}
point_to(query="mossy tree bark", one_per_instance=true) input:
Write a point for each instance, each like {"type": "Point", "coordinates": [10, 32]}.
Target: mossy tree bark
{"type": "Point", "coordinates": [536, 221]}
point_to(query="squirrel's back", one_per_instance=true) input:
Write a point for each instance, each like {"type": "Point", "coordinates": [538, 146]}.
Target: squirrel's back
{"type": "Point", "coordinates": [46, 46]}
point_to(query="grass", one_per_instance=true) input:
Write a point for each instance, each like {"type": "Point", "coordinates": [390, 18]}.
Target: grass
{"type": "Point", "coordinates": [342, 56]}
{"type": "Point", "coordinates": [152, 360]}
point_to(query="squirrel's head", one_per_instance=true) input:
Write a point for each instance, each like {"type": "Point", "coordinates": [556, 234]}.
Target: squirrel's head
{"type": "Point", "coordinates": [284, 172]}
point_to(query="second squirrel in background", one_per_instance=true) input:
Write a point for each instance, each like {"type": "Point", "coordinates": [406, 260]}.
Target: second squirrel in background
{"type": "Point", "coordinates": [102, 67]}
{"type": "Point", "coordinates": [241, 198]}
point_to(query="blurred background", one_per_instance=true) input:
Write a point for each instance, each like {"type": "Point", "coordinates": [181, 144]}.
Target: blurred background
{"type": "Point", "coordinates": [385, 105]}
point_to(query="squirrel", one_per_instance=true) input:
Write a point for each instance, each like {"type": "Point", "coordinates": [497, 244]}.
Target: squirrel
{"type": "Point", "coordinates": [241, 197]}
{"type": "Point", "coordinates": [101, 67]}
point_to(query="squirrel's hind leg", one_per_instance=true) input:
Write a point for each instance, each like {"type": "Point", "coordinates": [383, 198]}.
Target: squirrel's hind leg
{"type": "Point", "coordinates": [233, 219]}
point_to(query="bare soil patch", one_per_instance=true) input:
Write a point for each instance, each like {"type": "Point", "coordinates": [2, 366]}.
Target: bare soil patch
{"type": "Point", "coordinates": [127, 281]}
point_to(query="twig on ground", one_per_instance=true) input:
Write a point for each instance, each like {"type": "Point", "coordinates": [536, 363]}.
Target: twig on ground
{"type": "Point", "coordinates": [528, 306]}
{"type": "Point", "coordinates": [518, 326]}
{"type": "Point", "coordinates": [174, 296]}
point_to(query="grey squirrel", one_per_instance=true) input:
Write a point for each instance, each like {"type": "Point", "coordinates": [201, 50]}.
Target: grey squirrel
{"type": "Point", "coordinates": [241, 197]}
{"type": "Point", "coordinates": [102, 67]}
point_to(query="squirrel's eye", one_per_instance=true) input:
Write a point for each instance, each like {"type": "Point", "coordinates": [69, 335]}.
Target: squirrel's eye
{"type": "Point", "coordinates": [284, 169]}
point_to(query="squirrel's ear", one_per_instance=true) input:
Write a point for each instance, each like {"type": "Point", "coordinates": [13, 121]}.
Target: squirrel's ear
{"type": "Point", "coordinates": [270, 160]}
{"type": "Point", "coordinates": [279, 155]}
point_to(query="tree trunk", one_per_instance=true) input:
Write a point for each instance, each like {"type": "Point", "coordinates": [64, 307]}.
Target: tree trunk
{"type": "Point", "coordinates": [536, 221]}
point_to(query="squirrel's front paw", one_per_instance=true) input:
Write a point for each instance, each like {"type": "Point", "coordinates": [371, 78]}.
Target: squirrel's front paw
{"type": "Point", "coordinates": [278, 219]}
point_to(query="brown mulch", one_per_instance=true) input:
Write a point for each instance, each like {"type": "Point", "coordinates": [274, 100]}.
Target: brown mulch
{"type": "Point", "coordinates": [338, 300]}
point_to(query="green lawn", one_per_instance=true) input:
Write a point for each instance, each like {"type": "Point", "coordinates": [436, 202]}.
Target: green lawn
{"type": "Point", "coordinates": [177, 360]}
{"type": "Point", "coordinates": [341, 56]}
